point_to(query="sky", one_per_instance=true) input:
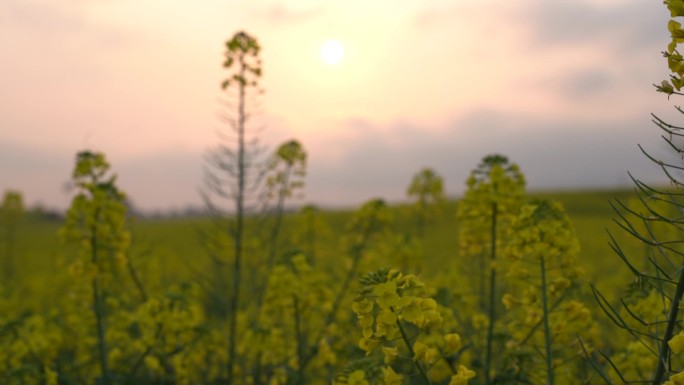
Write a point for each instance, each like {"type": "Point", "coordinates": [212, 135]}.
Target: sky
{"type": "Point", "coordinates": [563, 88]}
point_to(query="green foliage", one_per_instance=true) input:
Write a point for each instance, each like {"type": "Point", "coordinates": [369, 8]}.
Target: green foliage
{"type": "Point", "coordinates": [11, 213]}
{"type": "Point", "coordinates": [237, 175]}
{"type": "Point", "coordinates": [286, 174]}
{"type": "Point", "coordinates": [369, 221]}
{"type": "Point", "coordinates": [311, 232]}
{"type": "Point", "coordinates": [494, 180]}
{"type": "Point", "coordinates": [650, 311]}
{"type": "Point", "coordinates": [243, 51]}
{"type": "Point", "coordinates": [98, 212]}
{"type": "Point", "coordinates": [12, 207]}
{"type": "Point", "coordinates": [495, 192]}
{"type": "Point", "coordinates": [544, 312]}
{"type": "Point", "coordinates": [427, 189]}
{"type": "Point", "coordinates": [96, 220]}
{"type": "Point", "coordinates": [504, 296]}
{"type": "Point", "coordinates": [294, 337]}
{"type": "Point", "coordinates": [190, 345]}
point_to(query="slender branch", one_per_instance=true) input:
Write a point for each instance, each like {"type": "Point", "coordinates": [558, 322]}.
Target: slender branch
{"type": "Point", "coordinates": [407, 341]}
{"type": "Point", "coordinates": [239, 203]}
{"type": "Point", "coordinates": [547, 331]}
{"type": "Point", "coordinates": [663, 356]}
{"type": "Point", "coordinates": [98, 303]}
{"type": "Point", "coordinates": [492, 299]}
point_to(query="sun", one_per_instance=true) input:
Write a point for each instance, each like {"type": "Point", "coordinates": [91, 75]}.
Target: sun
{"type": "Point", "coordinates": [332, 52]}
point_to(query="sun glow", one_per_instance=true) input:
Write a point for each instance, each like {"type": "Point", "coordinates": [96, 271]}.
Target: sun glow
{"type": "Point", "coordinates": [332, 52]}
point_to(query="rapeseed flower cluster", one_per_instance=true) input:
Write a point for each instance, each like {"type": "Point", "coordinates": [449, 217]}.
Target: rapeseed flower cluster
{"type": "Point", "coordinates": [495, 191]}
{"type": "Point", "coordinates": [675, 62]}
{"type": "Point", "coordinates": [544, 313]}
{"type": "Point", "coordinates": [401, 322]}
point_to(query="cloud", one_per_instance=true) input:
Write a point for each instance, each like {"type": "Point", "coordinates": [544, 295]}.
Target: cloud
{"type": "Point", "coordinates": [39, 173]}
{"type": "Point", "coordinates": [566, 22]}
{"type": "Point", "coordinates": [559, 155]}
{"type": "Point", "coordinates": [162, 180]}
{"type": "Point", "coordinates": [633, 24]}
{"type": "Point", "coordinates": [156, 181]}
{"type": "Point", "coordinates": [553, 155]}
{"type": "Point", "coordinates": [579, 84]}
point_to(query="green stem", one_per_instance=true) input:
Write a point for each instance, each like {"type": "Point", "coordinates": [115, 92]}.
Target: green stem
{"type": "Point", "coordinates": [343, 290]}
{"type": "Point", "coordinates": [301, 340]}
{"type": "Point", "coordinates": [311, 239]}
{"type": "Point", "coordinates": [547, 331]}
{"type": "Point", "coordinates": [136, 280]}
{"type": "Point", "coordinates": [420, 221]}
{"type": "Point", "coordinates": [275, 233]}
{"type": "Point", "coordinates": [98, 306]}
{"type": "Point", "coordinates": [407, 341]}
{"type": "Point", "coordinates": [492, 298]}
{"type": "Point", "coordinates": [664, 354]}
{"type": "Point", "coordinates": [237, 268]}
{"type": "Point", "coordinates": [9, 252]}
{"type": "Point", "coordinates": [275, 236]}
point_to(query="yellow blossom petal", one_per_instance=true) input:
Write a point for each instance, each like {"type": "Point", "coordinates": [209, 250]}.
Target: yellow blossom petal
{"type": "Point", "coordinates": [419, 350]}
{"type": "Point", "coordinates": [390, 354]}
{"type": "Point", "coordinates": [357, 377]}
{"type": "Point", "coordinates": [387, 294]}
{"type": "Point", "coordinates": [462, 376]}
{"type": "Point", "coordinates": [392, 378]}
{"type": "Point", "coordinates": [677, 343]}
{"type": "Point", "coordinates": [363, 306]}
{"type": "Point", "coordinates": [453, 343]}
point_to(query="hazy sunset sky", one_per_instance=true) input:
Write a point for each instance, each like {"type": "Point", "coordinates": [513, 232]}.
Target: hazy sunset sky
{"type": "Point", "coordinates": [563, 88]}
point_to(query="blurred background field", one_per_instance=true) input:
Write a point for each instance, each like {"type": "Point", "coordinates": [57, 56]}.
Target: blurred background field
{"type": "Point", "coordinates": [175, 244]}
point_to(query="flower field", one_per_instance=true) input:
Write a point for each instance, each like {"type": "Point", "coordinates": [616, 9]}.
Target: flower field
{"type": "Point", "coordinates": [493, 287]}
{"type": "Point", "coordinates": [498, 286]}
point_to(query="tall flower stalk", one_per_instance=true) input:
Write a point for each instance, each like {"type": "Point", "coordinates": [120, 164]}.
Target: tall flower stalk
{"type": "Point", "coordinates": [495, 191]}
{"type": "Point", "coordinates": [236, 172]}
{"type": "Point", "coordinates": [96, 221]}
{"type": "Point", "coordinates": [544, 313]}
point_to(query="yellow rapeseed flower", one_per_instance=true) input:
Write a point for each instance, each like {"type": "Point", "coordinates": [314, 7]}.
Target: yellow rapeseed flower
{"type": "Point", "coordinates": [363, 306]}
{"type": "Point", "coordinates": [368, 344]}
{"type": "Point", "coordinates": [453, 343]}
{"type": "Point", "coordinates": [51, 377]}
{"type": "Point", "coordinates": [676, 379]}
{"type": "Point", "coordinates": [413, 312]}
{"type": "Point", "coordinates": [391, 377]}
{"type": "Point", "coordinates": [390, 354]}
{"type": "Point", "coordinates": [508, 301]}
{"type": "Point", "coordinates": [387, 294]}
{"type": "Point", "coordinates": [462, 376]}
{"type": "Point", "coordinates": [419, 351]}
{"type": "Point", "coordinates": [677, 343]}
{"type": "Point", "coordinates": [386, 318]}
{"type": "Point", "coordinates": [357, 377]}
{"type": "Point", "coordinates": [431, 356]}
